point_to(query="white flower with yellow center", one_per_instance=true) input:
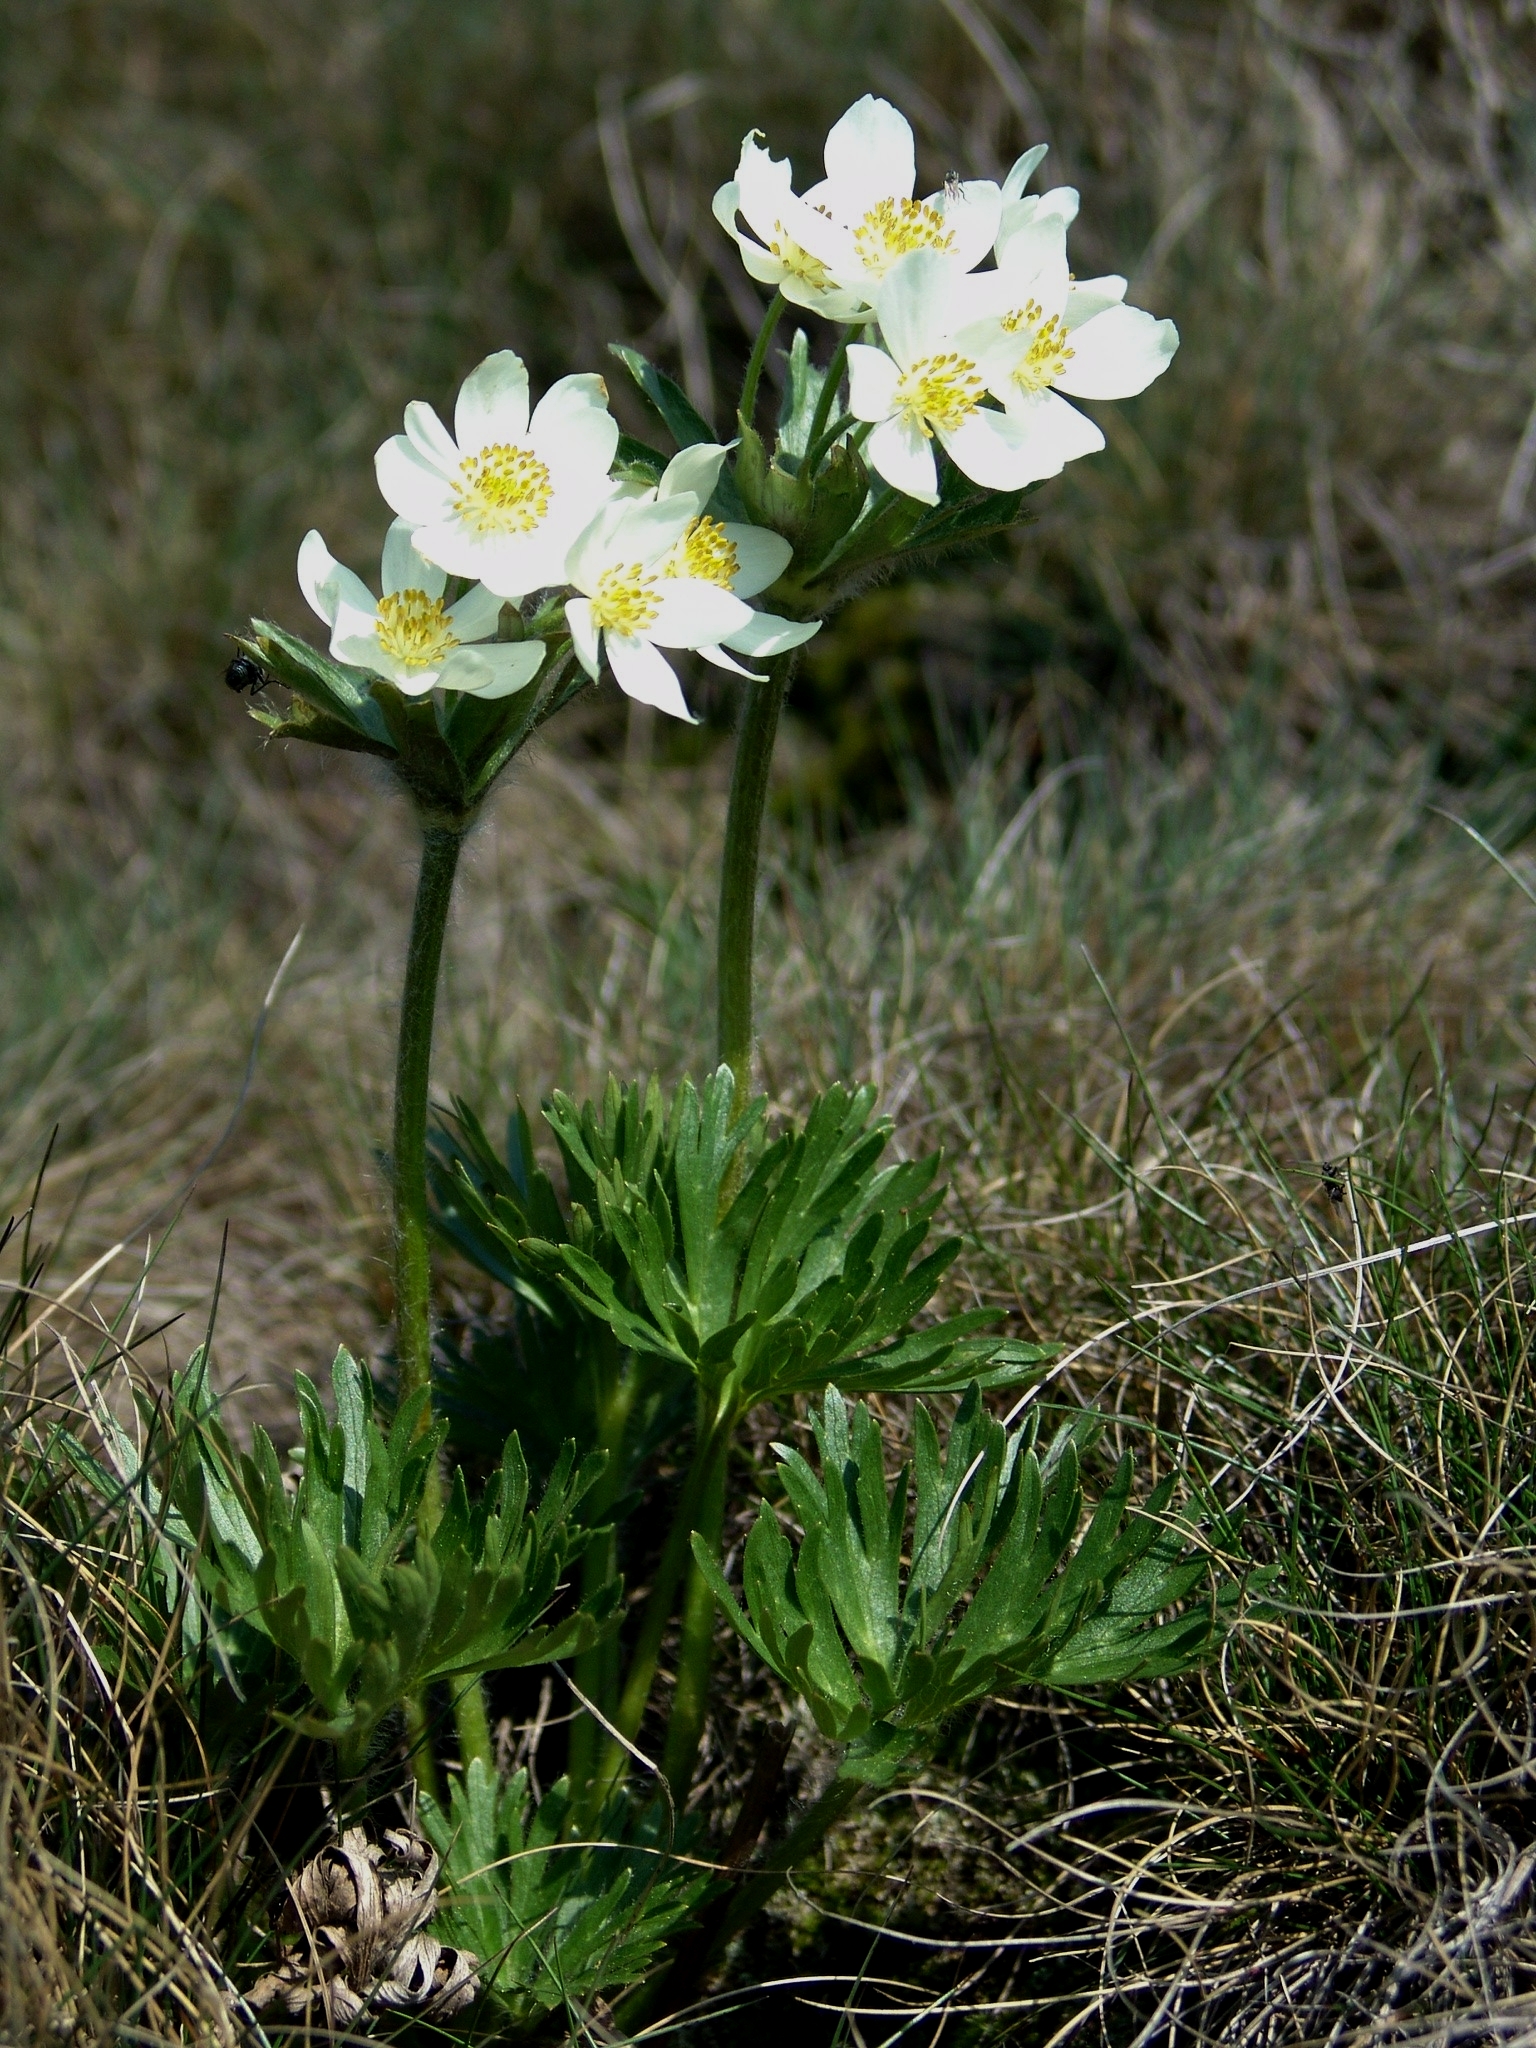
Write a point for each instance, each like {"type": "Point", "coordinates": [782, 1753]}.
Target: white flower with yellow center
{"type": "Point", "coordinates": [739, 558]}
{"type": "Point", "coordinates": [504, 495]}
{"type": "Point", "coordinates": [829, 248]}
{"type": "Point", "coordinates": [640, 592]}
{"type": "Point", "coordinates": [409, 636]}
{"type": "Point", "coordinates": [1038, 338]}
{"type": "Point", "coordinates": [924, 386]}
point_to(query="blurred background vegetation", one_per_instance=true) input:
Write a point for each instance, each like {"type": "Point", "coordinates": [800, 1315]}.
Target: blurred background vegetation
{"type": "Point", "coordinates": [1114, 857]}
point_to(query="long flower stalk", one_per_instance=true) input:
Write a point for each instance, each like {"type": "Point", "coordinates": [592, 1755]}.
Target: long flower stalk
{"type": "Point", "coordinates": [735, 942]}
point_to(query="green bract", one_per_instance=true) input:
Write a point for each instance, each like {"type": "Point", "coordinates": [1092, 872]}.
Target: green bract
{"type": "Point", "coordinates": [764, 1269]}
{"type": "Point", "coordinates": [886, 1632]}
{"type": "Point", "coordinates": [447, 749]}
{"type": "Point", "coordinates": [338, 1574]}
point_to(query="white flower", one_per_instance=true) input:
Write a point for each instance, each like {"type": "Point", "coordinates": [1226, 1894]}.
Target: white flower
{"type": "Point", "coordinates": [928, 387]}
{"type": "Point", "coordinates": [408, 636]}
{"type": "Point", "coordinates": [639, 595]}
{"type": "Point", "coordinates": [503, 496]}
{"type": "Point", "coordinates": [829, 248]}
{"type": "Point", "coordinates": [1036, 335]}
{"type": "Point", "coordinates": [741, 559]}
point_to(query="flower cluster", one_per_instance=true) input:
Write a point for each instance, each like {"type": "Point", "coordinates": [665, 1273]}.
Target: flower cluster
{"type": "Point", "coordinates": [524, 501]}
{"type": "Point", "coordinates": [964, 328]}
{"type": "Point", "coordinates": [981, 361]}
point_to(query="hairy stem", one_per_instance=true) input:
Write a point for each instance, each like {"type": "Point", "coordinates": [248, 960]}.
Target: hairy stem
{"type": "Point", "coordinates": [830, 385]}
{"type": "Point", "coordinates": [690, 1696]}
{"type": "Point", "coordinates": [758, 357]}
{"type": "Point", "coordinates": [412, 1243]}
{"type": "Point", "coordinates": [646, 1655]}
{"type": "Point", "coordinates": [413, 1072]}
{"type": "Point", "coordinates": [755, 735]}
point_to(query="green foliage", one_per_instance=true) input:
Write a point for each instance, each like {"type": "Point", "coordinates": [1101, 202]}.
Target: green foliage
{"type": "Point", "coordinates": [338, 1575]}
{"type": "Point", "coordinates": [990, 1592]}
{"type": "Point", "coordinates": [763, 1269]}
{"type": "Point", "coordinates": [554, 1920]}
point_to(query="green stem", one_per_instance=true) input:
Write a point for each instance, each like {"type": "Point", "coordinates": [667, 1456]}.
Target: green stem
{"type": "Point", "coordinates": [472, 1722]}
{"type": "Point", "coordinates": [597, 1669]}
{"type": "Point", "coordinates": [412, 1243]}
{"type": "Point", "coordinates": [696, 1651]}
{"type": "Point", "coordinates": [824, 446]}
{"type": "Point", "coordinates": [755, 736]}
{"type": "Point", "coordinates": [413, 1071]}
{"type": "Point", "coordinates": [758, 357]}
{"type": "Point", "coordinates": [675, 1557]}
{"type": "Point", "coordinates": [830, 386]}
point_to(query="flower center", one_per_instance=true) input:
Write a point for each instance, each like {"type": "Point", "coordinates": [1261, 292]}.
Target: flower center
{"type": "Point", "coordinates": [624, 600]}
{"type": "Point", "coordinates": [1047, 355]}
{"type": "Point", "coordinates": [799, 262]}
{"type": "Point", "coordinates": [894, 227]}
{"type": "Point", "coordinates": [413, 629]}
{"type": "Point", "coordinates": [502, 490]}
{"type": "Point", "coordinates": [706, 552]}
{"type": "Point", "coordinates": [939, 391]}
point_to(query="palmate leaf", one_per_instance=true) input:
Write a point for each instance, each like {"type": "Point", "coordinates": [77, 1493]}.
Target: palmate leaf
{"type": "Point", "coordinates": [886, 1630]}
{"type": "Point", "coordinates": [554, 1920]}
{"type": "Point", "coordinates": [765, 1269]}
{"type": "Point", "coordinates": [338, 1577]}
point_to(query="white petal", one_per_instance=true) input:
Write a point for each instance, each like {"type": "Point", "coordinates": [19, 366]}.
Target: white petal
{"type": "Point", "coordinates": [916, 302]}
{"type": "Point", "coordinates": [512, 564]}
{"type": "Point", "coordinates": [717, 658]}
{"type": "Point", "coordinates": [584, 635]}
{"type": "Point", "coordinates": [1035, 266]}
{"type": "Point", "coordinates": [1057, 433]}
{"type": "Point", "coordinates": [572, 429]}
{"type": "Point", "coordinates": [430, 438]}
{"type": "Point", "coordinates": [903, 455]}
{"type": "Point", "coordinates": [1118, 354]}
{"type": "Point", "coordinates": [972, 216]}
{"type": "Point", "coordinates": [869, 156]}
{"type": "Point", "coordinates": [355, 640]}
{"type": "Point", "coordinates": [1023, 170]}
{"type": "Point", "coordinates": [696, 469]}
{"type": "Point", "coordinates": [692, 613]}
{"type": "Point", "coordinates": [412, 487]}
{"type": "Point", "coordinates": [476, 615]}
{"type": "Point", "coordinates": [761, 558]}
{"type": "Point", "coordinates": [644, 673]}
{"type": "Point", "coordinates": [403, 568]}
{"type": "Point", "coordinates": [498, 670]}
{"type": "Point", "coordinates": [763, 189]}
{"type": "Point", "coordinates": [1060, 203]}
{"type": "Point", "coordinates": [493, 403]}
{"type": "Point", "coordinates": [629, 531]}
{"type": "Point", "coordinates": [872, 381]}
{"type": "Point", "coordinates": [992, 449]}
{"type": "Point", "coordinates": [764, 634]}
{"type": "Point", "coordinates": [1091, 295]}
{"type": "Point", "coordinates": [318, 569]}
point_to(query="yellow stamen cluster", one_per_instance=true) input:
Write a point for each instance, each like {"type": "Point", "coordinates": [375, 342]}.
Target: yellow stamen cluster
{"type": "Point", "coordinates": [705, 552]}
{"type": "Point", "coordinates": [799, 262]}
{"type": "Point", "coordinates": [894, 227]}
{"type": "Point", "coordinates": [939, 391]}
{"type": "Point", "coordinates": [413, 629]}
{"type": "Point", "coordinates": [503, 489]}
{"type": "Point", "coordinates": [1047, 355]}
{"type": "Point", "coordinates": [624, 600]}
